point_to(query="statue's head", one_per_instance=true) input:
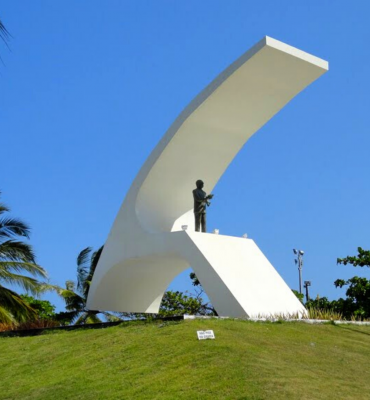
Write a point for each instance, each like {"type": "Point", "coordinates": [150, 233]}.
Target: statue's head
{"type": "Point", "coordinates": [199, 184]}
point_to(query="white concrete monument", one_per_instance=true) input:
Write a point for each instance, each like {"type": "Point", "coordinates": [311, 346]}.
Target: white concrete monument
{"type": "Point", "coordinates": [147, 247]}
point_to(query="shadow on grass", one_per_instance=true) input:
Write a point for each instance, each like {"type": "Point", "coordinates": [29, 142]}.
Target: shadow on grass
{"type": "Point", "coordinates": [103, 325]}
{"type": "Point", "coordinates": [348, 328]}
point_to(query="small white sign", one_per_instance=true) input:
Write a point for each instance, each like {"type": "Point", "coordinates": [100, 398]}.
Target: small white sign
{"type": "Point", "coordinates": [205, 335]}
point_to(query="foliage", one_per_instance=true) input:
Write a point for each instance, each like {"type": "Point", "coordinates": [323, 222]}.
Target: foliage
{"type": "Point", "coordinates": [177, 303]}
{"type": "Point", "coordinates": [323, 313]}
{"type": "Point", "coordinates": [361, 260]}
{"type": "Point", "coordinates": [194, 279]}
{"type": "Point", "coordinates": [43, 308]}
{"type": "Point", "coordinates": [16, 260]}
{"type": "Point", "coordinates": [300, 296]}
{"type": "Point", "coordinates": [207, 308]}
{"type": "Point", "coordinates": [357, 302]}
{"type": "Point", "coordinates": [344, 308]}
{"type": "Point", "coordinates": [319, 303]}
{"type": "Point", "coordinates": [30, 324]}
{"type": "Point", "coordinates": [356, 306]}
{"type": "Point", "coordinates": [75, 296]}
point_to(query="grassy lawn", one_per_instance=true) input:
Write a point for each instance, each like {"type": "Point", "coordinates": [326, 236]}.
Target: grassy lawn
{"type": "Point", "coordinates": [166, 361]}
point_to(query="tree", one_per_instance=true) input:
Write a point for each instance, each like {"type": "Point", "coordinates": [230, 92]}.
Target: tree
{"type": "Point", "coordinates": [44, 310]}
{"type": "Point", "coordinates": [16, 259]}
{"type": "Point", "coordinates": [177, 303]}
{"type": "Point", "coordinates": [361, 260]}
{"type": "Point", "coordinates": [75, 296]}
{"type": "Point", "coordinates": [357, 302]}
{"type": "Point", "coordinates": [300, 296]}
{"type": "Point", "coordinates": [207, 308]}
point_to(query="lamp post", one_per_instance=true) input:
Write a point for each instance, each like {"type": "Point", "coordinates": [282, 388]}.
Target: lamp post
{"type": "Point", "coordinates": [306, 285]}
{"type": "Point", "coordinates": [299, 261]}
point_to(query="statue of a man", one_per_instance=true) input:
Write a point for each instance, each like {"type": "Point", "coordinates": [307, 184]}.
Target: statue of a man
{"type": "Point", "coordinates": [200, 204]}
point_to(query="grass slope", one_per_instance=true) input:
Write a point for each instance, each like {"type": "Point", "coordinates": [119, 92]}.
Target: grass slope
{"type": "Point", "coordinates": [165, 361]}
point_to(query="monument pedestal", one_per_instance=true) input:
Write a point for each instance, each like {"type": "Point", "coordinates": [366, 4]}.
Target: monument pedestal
{"type": "Point", "coordinates": [237, 277]}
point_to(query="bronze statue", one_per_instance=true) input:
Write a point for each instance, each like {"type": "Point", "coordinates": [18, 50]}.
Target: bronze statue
{"type": "Point", "coordinates": [200, 204]}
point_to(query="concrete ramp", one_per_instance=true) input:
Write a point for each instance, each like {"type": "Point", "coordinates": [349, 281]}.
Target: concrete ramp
{"type": "Point", "coordinates": [239, 279]}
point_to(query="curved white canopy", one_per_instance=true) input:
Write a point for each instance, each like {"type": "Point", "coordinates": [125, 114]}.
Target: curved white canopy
{"type": "Point", "coordinates": [212, 129]}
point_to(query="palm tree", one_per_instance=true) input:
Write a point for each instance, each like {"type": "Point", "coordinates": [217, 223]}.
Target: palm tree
{"type": "Point", "coordinates": [16, 258]}
{"type": "Point", "coordinates": [75, 296]}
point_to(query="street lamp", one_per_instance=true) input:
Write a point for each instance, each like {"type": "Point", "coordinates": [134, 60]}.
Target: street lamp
{"type": "Point", "coordinates": [306, 285]}
{"type": "Point", "coordinates": [299, 261]}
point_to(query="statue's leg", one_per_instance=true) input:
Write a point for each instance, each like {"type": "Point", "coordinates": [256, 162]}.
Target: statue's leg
{"type": "Point", "coordinates": [204, 222]}
{"type": "Point", "coordinates": [197, 221]}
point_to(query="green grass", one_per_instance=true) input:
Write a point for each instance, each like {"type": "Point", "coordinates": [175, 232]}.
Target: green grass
{"type": "Point", "coordinates": [166, 361]}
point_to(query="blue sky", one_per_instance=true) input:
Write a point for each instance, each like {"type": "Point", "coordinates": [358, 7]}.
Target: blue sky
{"type": "Point", "coordinates": [89, 88]}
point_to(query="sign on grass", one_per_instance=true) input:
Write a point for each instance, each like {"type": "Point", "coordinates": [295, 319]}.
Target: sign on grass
{"type": "Point", "coordinates": [205, 335]}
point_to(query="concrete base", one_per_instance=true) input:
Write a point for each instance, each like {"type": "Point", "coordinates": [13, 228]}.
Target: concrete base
{"type": "Point", "coordinates": [237, 277]}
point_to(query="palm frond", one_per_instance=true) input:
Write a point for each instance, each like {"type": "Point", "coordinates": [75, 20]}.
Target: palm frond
{"type": "Point", "coordinates": [83, 268]}
{"type": "Point", "coordinates": [19, 266]}
{"type": "Point", "coordinates": [92, 319]}
{"type": "Point", "coordinates": [111, 317]}
{"type": "Point", "coordinates": [95, 259]}
{"type": "Point", "coordinates": [3, 208]}
{"type": "Point", "coordinates": [94, 262]}
{"type": "Point", "coordinates": [10, 227]}
{"type": "Point", "coordinates": [88, 318]}
{"type": "Point", "coordinates": [6, 317]}
{"type": "Point", "coordinates": [15, 305]}
{"type": "Point", "coordinates": [68, 294]}
{"type": "Point", "coordinates": [25, 282]}
{"type": "Point", "coordinates": [82, 318]}
{"type": "Point", "coordinates": [69, 316]}
{"type": "Point", "coordinates": [4, 34]}
{"type": "Point", "coordinates": [16, 251]}
{"type": "Point", "coordinates": [74, 302]}
{"type": "Point", "coordinates": [46, 287]}
{"type": "Point", "coordinates": [83, 257]}
{"type": "Point", "coordinates": [70, 286]}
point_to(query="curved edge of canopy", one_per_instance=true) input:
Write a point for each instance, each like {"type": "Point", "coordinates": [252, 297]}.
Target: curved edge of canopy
{"type": "Point", "coordinates": [212, 129]}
